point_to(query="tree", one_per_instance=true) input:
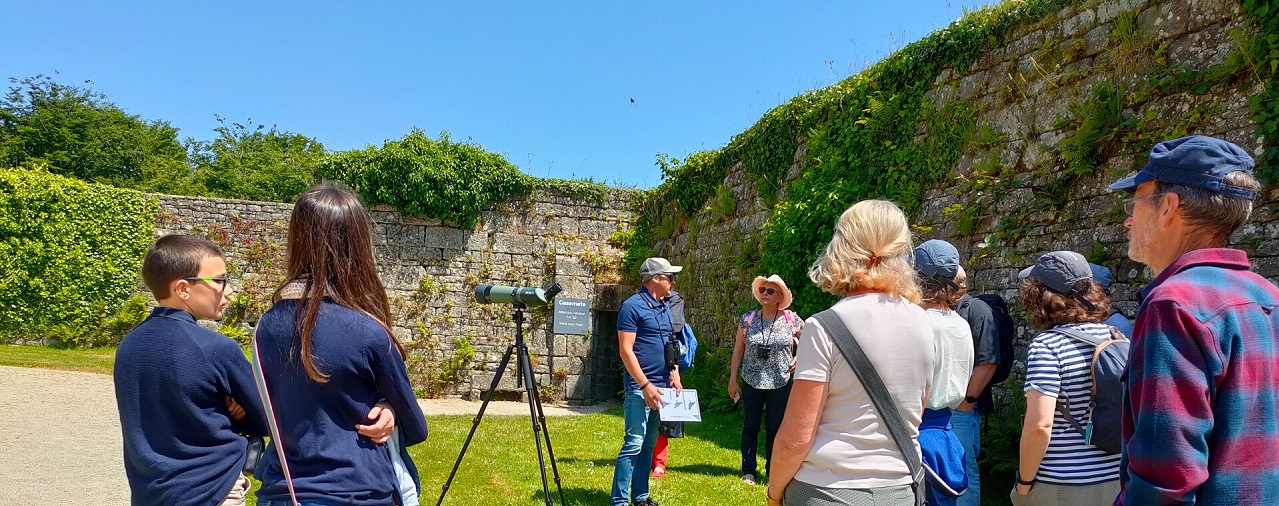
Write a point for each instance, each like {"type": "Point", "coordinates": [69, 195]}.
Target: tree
{"type": "Point", "coordinates": [254, 163]}
{"type": "Point", "coordinates": [78, 132]}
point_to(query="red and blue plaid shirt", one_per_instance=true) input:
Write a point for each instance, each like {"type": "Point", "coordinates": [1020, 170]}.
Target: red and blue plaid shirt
{"type": "Point", "coordinates": [1199, 424]}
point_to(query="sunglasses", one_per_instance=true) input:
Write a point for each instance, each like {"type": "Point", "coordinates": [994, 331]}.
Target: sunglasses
{"type": "Point", "coordinates": [766, 290]}
{"type": "Point", "coordinates": [1131, 203]}
{"type": "Point", "coordinates": [221, 282]}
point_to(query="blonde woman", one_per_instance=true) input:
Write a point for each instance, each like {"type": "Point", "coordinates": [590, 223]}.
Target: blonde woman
{"type": "Point", "coordinates": [833, 448]}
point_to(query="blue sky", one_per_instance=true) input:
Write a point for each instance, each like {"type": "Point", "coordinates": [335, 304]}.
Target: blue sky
{"type": "Point", "coordinates": [549, 84]}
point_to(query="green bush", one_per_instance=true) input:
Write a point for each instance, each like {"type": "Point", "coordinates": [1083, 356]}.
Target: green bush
{"type": "Point", "coordinates": [70, 253]}
{"type": "Point", "coordinates": [419, 176]}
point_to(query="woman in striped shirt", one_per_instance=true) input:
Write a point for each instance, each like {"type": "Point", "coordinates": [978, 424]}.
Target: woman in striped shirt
{"type": "Point", "coordinates": [1057, 466]}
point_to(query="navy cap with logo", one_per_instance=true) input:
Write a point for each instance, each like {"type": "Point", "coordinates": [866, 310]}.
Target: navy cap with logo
{"type": "Point", "coordinates": [1197, 160]}
{"type": "Point", "coordinates": [1060, 271]}
{"type": "Point", "coordinates": [939, 260]}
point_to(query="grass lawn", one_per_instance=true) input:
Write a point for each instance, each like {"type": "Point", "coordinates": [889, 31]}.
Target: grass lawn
{"type": "Point", "coordinates": [501, 465]}
{"type": "Point", "coordinates": [99, 360]}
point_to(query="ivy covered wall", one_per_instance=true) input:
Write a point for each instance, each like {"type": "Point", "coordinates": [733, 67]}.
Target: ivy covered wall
{"type": "Point", "coordinates": [996, 132]}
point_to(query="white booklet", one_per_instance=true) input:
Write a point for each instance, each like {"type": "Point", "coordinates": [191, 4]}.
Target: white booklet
{"type": "Point", "coordinates": [680, 408]}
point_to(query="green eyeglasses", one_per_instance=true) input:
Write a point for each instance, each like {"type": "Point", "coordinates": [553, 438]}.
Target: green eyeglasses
{"type": "Point", "coordinates": [221, 282]}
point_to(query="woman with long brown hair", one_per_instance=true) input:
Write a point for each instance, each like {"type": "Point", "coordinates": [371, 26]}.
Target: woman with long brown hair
{"type": "Point", "coordinates": [328, 358]}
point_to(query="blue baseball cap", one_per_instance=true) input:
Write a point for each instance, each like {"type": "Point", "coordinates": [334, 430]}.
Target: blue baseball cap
{"type": "Point", "coordinates": [1197, 160]}
{"type": "Point", "coordinates": [1100, 274]}
{"type": "Point", "coordinates": [1060, 271]}
{"type": "Point", "coordinates": [937, 259]}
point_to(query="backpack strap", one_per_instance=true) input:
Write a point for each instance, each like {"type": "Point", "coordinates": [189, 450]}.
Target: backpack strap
{"type": "Point", "coordinates": [278, 443]}
{"type": "Point", "coordinates": [748, 318]}
{"type": "Point", "coordinates": [790, 316]}
{"type": "Point", "coordinates": [1063, 402]}
{"type": "Point", "coordinates": [880, 397]}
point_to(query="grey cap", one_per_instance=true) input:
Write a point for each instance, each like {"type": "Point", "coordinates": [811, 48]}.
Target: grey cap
{"type": "Point", "coordinates": [1100, 274]}
{"type": "Point", "coordinates": [937, 259]}
{"type": "Point", "coordinates": [657, 265]}
{"type": "Point", "coordinates": [1060, 271]}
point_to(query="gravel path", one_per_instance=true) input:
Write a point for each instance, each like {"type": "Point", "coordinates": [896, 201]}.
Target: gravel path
{"type": "Point", "coordinates": [63, 443]}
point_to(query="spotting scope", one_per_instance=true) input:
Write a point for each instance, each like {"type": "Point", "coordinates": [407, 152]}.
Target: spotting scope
{"type": "Point", "coordinates": [529, 296]}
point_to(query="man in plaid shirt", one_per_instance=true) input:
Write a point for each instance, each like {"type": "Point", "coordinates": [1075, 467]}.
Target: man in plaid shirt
{"type": "Point", "coordinates": [1199, 424]}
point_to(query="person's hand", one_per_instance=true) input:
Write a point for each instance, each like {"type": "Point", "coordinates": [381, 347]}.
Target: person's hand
{"type": "Point", "coordinates": [792, 364]}
{"type": "Point", "coordinates": [734, 389]}
{"type": "Point", "coordinates": [237, 411]}
{"type": "Point", "coordinates": [677, 385]}
{"type": "Point", "coordinates": [1022, 490]}
{"type": "Point", "coordinates": [653, 396]}
{"type": "Point", "coordinates": [383, 422]}
{"type": "Point", "coordinates": [964, 406]}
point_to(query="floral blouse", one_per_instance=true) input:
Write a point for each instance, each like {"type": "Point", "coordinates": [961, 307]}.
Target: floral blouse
{"type": "Point", "coordinates": [766, 361]}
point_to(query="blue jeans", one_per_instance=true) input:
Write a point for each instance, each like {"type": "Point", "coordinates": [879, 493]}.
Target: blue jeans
{"type": "Point", "coordinates": [967, 426]}
{"type": "Point", "coordinates": [630, 474]}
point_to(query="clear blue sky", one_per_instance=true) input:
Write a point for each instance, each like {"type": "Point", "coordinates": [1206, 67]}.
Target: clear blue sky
{"type": "Point", "coordinates": [549, 84]}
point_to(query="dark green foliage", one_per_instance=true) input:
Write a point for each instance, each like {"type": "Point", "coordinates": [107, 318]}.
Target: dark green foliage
{"type": "Point", "coordinates": [423, 177]}
{"type": "Point", "coordinates": [1265, 106]}
{"type": "Point", "coordinates": [70, 253]}
{"type": "Point", "coordinates": [1001, 442]}
{"type": "Point", "coordinates": [79, 133]}
{"type": "Point", "coordinates": [254, 163]}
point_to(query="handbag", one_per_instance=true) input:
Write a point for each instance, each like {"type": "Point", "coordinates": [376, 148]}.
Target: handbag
{"type": "Point", "coordinates": [880, 397]}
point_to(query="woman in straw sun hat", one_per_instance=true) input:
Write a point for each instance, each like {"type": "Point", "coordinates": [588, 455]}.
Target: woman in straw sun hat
{"type": "Point", "coordinates": [764, 354]}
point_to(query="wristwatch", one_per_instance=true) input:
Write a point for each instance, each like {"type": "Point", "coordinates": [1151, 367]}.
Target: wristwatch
{"type": "Point", "coordinates": [970, 399]}
{"type": "Point", "coordinates": [1020, 481]}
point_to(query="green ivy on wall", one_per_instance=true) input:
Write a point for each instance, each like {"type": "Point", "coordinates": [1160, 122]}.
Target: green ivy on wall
{"type": "Point", "coordinates": [1264, 58]}
{"type": "Point", "coordinates": [70, 253]}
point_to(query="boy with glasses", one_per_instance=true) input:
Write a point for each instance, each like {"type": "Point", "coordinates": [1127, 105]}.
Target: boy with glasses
{"type": "Point", "coordinates": [185, 393]}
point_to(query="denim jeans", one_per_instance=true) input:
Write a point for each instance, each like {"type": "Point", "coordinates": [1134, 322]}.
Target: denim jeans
{"type": "Point", "coordinates": [767, 405]}
{"type": "Point", "coordinates": [630, 474]}
{"type": "Point", "coordinates": [967, 426]}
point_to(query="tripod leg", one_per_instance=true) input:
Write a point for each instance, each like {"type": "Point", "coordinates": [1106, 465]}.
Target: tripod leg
{"type": "Point", "coordinates": [488, 396]}
{"type": "Point", "coordinates": [530, 389]}
{"type": "Point", "coordinates": [541, 417]}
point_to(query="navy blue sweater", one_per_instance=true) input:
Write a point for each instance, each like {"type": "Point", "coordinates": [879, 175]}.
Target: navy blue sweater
{"type": "Point", "coordinates": [172, 377]}
{"type": "Point", "coordinates": [329, 461]}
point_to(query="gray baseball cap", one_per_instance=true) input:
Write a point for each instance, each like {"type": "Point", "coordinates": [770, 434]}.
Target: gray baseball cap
{"type": "Point", "coordinates": [1059, 271]}
{"type": "Point", "coordinates": [657, 265]}
{"type": "Point", "coordinates": [937, 259]}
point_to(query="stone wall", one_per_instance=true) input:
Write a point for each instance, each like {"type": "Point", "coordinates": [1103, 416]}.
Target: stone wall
{"type": "Point", "coordinates": [1029, 96]}
{"type": "Point", "coordinates": [430, 268]}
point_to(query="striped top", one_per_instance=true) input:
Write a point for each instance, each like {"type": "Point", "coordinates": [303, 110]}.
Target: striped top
{"type": "Point", "coordinates": [1055, 365]}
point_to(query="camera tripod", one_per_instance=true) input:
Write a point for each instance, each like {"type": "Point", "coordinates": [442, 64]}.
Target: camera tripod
{"type": "Point", "coordinates": [525, 370]}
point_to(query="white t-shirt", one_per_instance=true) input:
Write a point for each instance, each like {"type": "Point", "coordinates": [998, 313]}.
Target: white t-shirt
{"type": "Point", "coordinates": [852, 447]}
{"type": "Point", "coordinates": [1057, 364]}
{"type": "Point", "coordinates": [953, 349]}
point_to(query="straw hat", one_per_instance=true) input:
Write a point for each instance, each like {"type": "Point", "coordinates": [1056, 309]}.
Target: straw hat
{"type": "Point", "coordinates": [781, 285]}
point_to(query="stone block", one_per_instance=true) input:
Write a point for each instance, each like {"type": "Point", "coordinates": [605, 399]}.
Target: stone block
{"type": "Point", "coordinates": [443, 237]}
{"type": "Point", "coordinates": [1080, 23]}
{"type": "Point", "coordinates": [511, 243]}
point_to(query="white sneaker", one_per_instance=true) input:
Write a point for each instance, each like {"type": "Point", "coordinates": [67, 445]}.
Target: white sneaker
{"type": "Point", "coordinates": [748, 479]}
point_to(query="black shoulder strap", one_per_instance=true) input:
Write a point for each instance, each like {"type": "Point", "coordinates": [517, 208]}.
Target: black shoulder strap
{"type": "Point", "coordinates": [879, 395]}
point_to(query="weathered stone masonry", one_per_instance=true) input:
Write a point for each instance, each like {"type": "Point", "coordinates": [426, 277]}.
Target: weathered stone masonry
{"type": "Point", "coordinates": [429, 269]}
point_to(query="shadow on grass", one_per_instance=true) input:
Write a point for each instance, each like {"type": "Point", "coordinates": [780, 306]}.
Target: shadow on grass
{"type": "Point", "coordinates": [600, 462]}
{"type": "Point", "coordinates": [574, 495]}
{"type": "Point", "coordinates": [703, 469]}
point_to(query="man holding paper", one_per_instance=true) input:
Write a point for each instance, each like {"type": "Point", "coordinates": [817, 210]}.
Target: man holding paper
{"type": "Point", "coordinates": [644, 335]}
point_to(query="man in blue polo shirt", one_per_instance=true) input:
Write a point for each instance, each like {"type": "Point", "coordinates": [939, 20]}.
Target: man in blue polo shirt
{"type": "Point", "coordinates": [643, 329]}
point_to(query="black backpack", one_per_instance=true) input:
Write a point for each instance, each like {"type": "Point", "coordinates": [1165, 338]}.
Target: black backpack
{"type": "Point", "coordinates": [1004, 324]}
{"type": "Point", "coordinates": [1101, 424]}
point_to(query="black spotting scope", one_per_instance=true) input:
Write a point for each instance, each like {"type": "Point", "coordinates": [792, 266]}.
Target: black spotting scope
{"type": "Point", "coordinates": [529, 296]}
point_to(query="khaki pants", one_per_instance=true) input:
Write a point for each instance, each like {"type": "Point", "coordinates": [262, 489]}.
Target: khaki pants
{"type": "Point", "coordinates": [1043, 494]}
{"type": "Point", "coordinates": [238, 492]}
